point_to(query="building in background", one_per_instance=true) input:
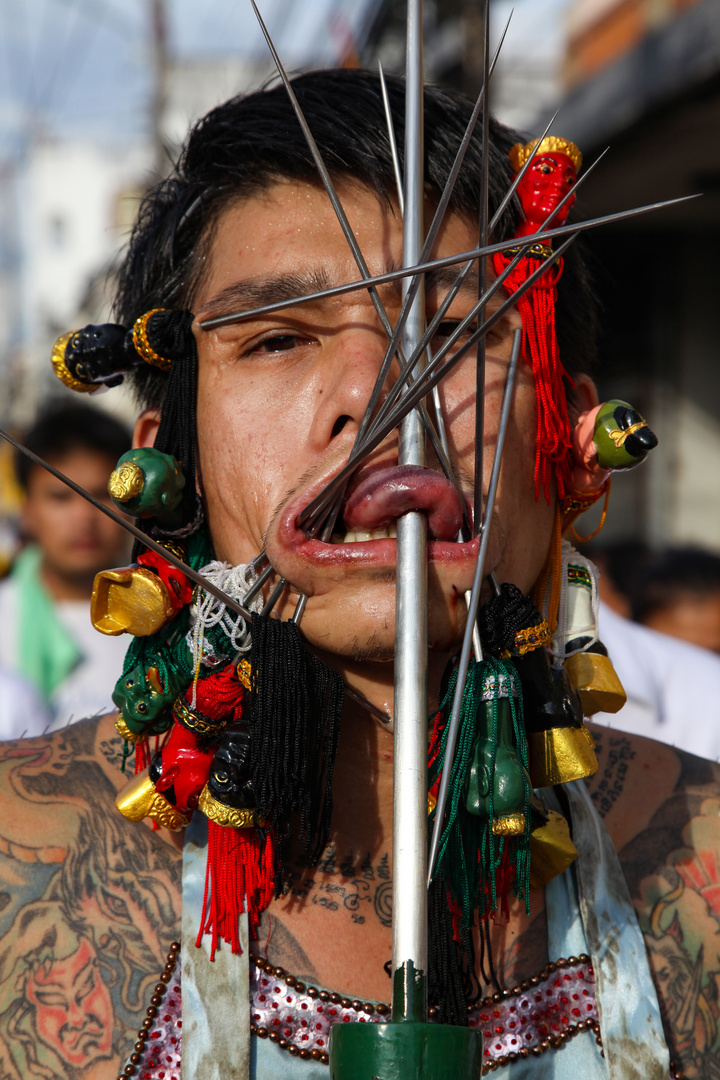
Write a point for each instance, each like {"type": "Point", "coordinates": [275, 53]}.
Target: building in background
{"type": "Point", "coordinates": [643, 76]}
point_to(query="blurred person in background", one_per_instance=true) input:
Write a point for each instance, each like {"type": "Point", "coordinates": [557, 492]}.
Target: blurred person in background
{"type": "Point", "coordinates": [47, 636]}
{"type": "Point", "coordinates": [619, 564]}
{"type": "Point", "coordinates": [672, 686]}
{"type": "Point", "coordinates": [677, 592]}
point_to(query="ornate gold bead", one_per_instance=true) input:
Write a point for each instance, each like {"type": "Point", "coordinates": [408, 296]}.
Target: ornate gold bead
{"type": "Point", "coordinates": [561, 754]}
{"type": "Point", "coordinates": [126, 482]}
{"type": "Point", "coordinates": [510, 825]}
{"type": "Point", "coordinates": [194, 721]}
{"type": "Point", "coordinates": [143, 346]}
{"type": "Point", "coordinates": [61, 369]}
{"type": "Point", "coordinates": [244, 673]}
{"type": "Point", "coordinates": [140, 800]}
{"type": "Point", "coordinates": [122, 729]}
{"type": "Point", "coordinates": [227, 815]}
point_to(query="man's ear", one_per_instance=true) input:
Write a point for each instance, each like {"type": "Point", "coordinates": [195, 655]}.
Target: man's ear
{"type": "Point", "coordinates": [583, 398]}
{"type": "Point", "coordinates": [146, 428]}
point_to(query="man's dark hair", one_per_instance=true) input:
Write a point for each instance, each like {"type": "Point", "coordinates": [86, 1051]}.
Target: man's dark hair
{"type": "Point", "coordinates": [61, 429]}
{"type": "Point", "coordinates": [672, 576]}
{"type": "Point", "coordinates": [253, 141]}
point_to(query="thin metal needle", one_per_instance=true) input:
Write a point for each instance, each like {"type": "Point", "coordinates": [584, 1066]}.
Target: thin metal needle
{"type": "Point", "coordinates": [431, 376]}
{"type": "Point", "coordinates": [203, 582]}
{"type": "Point", "coordinates": [452, 292]}
{"type": "Point", "coordinates": [474, 602]}
{"type": "Point", "coordinates": [439, 264]}
{"type": "Point", "coordinates": [274, 596]}
{"type": "Point", "coordinates": [343, 221]}
{"type": "Point", "coordinates": [395, 392]}
{"type": "Point", "coordinates": [437, 220]}
{"type": "Point", "coordinates": [258, 584]}
{"type": "Point", "coordinates": [391, 138]}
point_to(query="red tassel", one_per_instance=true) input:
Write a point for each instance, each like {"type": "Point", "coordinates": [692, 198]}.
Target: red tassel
{"type": "Point", "coordinates": [540, 350]}
{"type": "Point", "coordinates": [219, 696]}
{"type": "Point", "coordinates": [239, 871]}
{"type": "Point", "coordinates": [142, 755]}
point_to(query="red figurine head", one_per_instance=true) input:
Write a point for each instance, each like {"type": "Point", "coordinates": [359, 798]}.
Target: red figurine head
{"type": "Point", "coordinates": [552, 174]}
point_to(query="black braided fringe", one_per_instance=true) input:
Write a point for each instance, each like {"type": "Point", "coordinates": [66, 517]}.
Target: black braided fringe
{"type": "Point", "coordinates": [294, 722]}
{"type": "Point", "coordinates": [502, 616]}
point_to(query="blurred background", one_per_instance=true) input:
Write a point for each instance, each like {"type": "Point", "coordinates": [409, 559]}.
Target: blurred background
{"type": "Point", "coordinates": [96, 96]}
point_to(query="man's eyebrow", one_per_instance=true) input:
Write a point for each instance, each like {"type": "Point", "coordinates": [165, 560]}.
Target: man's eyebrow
{"type": "Point", "coordinates": [445, 277]}
{"type": "Point", "coordinates": [256, 292]}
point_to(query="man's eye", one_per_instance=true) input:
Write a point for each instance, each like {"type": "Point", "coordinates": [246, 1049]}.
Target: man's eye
{"type": "Point", "coordinates": [448, 326]}
{"type": "Point", "coordinates": [278, 343]}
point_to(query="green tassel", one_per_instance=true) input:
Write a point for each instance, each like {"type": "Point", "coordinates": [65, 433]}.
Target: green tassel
{"type": "Point", "coordinates": [488, 781]}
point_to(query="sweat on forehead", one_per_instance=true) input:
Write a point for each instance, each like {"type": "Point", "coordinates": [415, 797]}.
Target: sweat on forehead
{"type": "Point", "coordinates": [252, 141]}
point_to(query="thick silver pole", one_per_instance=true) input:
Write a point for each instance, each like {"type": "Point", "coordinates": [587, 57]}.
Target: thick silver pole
{"type": "Point", "coordinates": [411, 708]}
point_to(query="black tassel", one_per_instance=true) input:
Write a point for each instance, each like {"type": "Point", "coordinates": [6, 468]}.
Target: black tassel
{"type": "Point", "coordinates": [170, 334]}
{"type": "Point", "coordinates": [294, 722]}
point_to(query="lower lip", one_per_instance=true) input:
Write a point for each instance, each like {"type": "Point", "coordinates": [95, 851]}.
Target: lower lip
{"type": "Point", "coordinates": [378, 553]}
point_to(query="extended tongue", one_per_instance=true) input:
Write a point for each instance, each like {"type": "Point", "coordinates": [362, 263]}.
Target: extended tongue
{"type": "Point", "coordinates": [387, 494]}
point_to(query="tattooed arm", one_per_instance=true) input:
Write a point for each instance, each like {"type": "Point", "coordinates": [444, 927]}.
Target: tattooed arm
{"type": "Point", "coordinates": [662, 808]}
{"type": "Point", "coordinates": [89, 906]}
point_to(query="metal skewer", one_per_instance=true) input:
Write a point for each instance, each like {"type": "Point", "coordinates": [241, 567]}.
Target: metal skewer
{"type": "Point", "coordinates": [409, 925]}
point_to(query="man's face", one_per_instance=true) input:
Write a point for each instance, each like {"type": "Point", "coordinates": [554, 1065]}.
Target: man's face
{"type": "Point", "coordinates": [76, 539]}
{"type": "Point", "coordinates": [280, 400]}
{"type": "Point", "coordinates": [545, 184]}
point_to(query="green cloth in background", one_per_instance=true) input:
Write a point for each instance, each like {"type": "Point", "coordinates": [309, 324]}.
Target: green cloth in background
{"type": "Point", "coordinates": [46, 652]}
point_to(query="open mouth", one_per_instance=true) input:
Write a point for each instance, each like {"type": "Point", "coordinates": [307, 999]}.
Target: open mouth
{"type": "Point", "coordinates": [366, 528]}
{"type": "Point", "coordinates": [376, 499]}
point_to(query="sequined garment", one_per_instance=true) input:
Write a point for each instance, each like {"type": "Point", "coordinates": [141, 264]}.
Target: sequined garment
{"type": "Point", "coordinates": [540, 1013]}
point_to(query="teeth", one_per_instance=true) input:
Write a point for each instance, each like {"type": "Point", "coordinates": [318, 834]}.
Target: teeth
{"type": "Point", "coordinates": [388, 533]}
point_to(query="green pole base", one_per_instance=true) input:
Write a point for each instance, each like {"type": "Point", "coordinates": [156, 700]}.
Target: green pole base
{"type": "Point", "coordinates": [405, 1051]}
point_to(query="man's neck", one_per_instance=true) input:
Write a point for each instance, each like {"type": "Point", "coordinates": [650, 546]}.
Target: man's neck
{"type": "Point", "coordinates": [63, 586]}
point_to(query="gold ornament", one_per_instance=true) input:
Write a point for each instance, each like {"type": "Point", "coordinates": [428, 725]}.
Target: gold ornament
{"type": "Point", "coordinates": [227, 815]}
{"type": "Point", "coordinates": [561, 754]}
{"type": "Point", "coordinates": [196, 722]}
{"type": "Point", "coordinates": [122, 729]}
{"type": "Point", "coordinates": [619, 437]}
{"type": "Point", "coordinates": [510, 825]}
{"type": "Point", "coordinates": [140, 800]}
{"type": "Point", "coordinates": [596, 682]}
{"type": "Point", "coordinates": [130, 600]}
{"type": "Point", "coordinates": [551, 144]}
{"type": "Point", "coordinates": [61, 369]}
{"type": "Point", "coordinates": [244, 674]}
{"type": "Point", "coordinates": [126, 482]}
{"type": "Point", "coordinates": [551, 850]}
{"type": "Point", "coordinates": [143, 346]}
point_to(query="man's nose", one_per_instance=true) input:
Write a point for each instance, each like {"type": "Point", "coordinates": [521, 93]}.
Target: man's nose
{"type": "Point", "coordinates": [351, 383]}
